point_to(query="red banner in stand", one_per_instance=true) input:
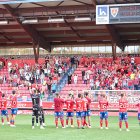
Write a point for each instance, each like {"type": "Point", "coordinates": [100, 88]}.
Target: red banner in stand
{"type": "Point", "coordinates": [94, 106]}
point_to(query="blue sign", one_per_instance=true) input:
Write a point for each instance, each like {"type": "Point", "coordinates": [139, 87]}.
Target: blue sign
{"type": "Point", "coordinates": [118, 13]}
{"type": "Point", "coordinates": [102, 11]}
{"type": "Point", "coordinates": [102, 14]}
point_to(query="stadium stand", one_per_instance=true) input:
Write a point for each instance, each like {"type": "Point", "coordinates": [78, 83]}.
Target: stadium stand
{"type": "Point", "coordinates": [52, 74]}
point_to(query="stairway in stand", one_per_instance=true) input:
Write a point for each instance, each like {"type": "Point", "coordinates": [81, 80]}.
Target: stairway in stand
{"type": "Point", "coordinates": [79, 87]}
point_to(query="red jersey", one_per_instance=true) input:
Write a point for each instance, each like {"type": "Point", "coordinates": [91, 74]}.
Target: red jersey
{"type": "Point", "coordinates": [13, 101]}
{"type": "Point", "coordinates": [123, 105]}
{"type": "Point", "coordinates": [58, 104]}
{"type": "Point", "coordinates": [79, 105]}
{"type": "Point", "coordinates": [3, 103]}
{"type": "Point", "coordinates": [103, 104]}
{"type": "Point", "coordinates": [89, 102]}
{"type": "Point", "coordinates": [138, 105]}
{"type": "Point", "coordinates": [69, 105]}
{"type": "Point", "coordinates": [85, 103]}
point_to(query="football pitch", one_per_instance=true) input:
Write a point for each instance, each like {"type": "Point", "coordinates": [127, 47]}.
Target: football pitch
{"type": "Point", "coordinates": [23, 130]}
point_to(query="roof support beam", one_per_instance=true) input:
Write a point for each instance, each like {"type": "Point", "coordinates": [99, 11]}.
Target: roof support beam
{"type": "Point", "coordinates": [37, 38]}
{"type": "Point", "coordinates": [78, 35]}
{"type": "Point", "coordinates": [114, 51]}
{"type": "Point", "coordinates": [114, 35]}
{"type": "Point", "coordinates": [81, 2]}
{"type": "Point", "coordinates": [5, 36]}
{"type": "Point", "coordinates": [36, 51]}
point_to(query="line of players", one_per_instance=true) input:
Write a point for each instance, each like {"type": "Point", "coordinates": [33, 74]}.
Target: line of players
{"type": "Point", "coordinates": [4, 98]}
{"type": "Point", "coordinates": [83, 112]}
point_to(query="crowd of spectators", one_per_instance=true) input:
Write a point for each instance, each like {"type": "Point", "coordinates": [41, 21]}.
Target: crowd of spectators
{"type": "Point", "coordinates": [46, 75]}
{"type": "Point", "coordinates": [100, 74]}
{"type": "Point", "coordinates": [103, 74]}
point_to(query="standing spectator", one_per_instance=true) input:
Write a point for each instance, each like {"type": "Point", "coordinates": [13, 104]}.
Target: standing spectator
{"type": "Point", "coordinates": [4, 79]}
{"type": "Point", "coordinates": [130, 84]}
{"type": "Point", "coordinates": [49, 85]}
{"type": "Point", "coordinates": [60, 71]}
{"type": "Point", "coordinates": [132, 60]}
{"type": "Point", "coordinates": [83, 74]}
{"type": "Point", "coordinates": [32, 79]}
{"type": "Point", "coordinates": [136, 83]}
{"type": "Point", "coordinates": [85, 79]}
{"type": "Point", "coordinates": [69, 78]}
{"type": "Point", "coordinates": [42, 76]}
{"type": "Point", "coordinates": [88, 76]}
{"type": "Point", "coordinates": [97, 83]}
{"type": "Point", "coordinates": [75, 78]}
{"type": "Point", "coordinates": [44, 88]}
{"type": "Point", "coordinates": [91, 84]}
{"type": "Point", "coordinates": [45, 72]}
{"type": "Point", "coordinates": [72, 61]}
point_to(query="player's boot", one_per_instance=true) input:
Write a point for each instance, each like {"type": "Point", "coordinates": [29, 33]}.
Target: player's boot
{"type": "Point", "coordinates": [120, 129]}
{"type": "Point", "coordinates": [44, 125]}
{"type": "Point", "coordinates": [8, 123]}
{"type": "Point", "coordinates": [89, 126]}
{"type": "Point", "coordinates": [72, 126]}
{"type": "Point", "coordinates": [41, 127]}
{"type": "Point", "coordinates": [33, 127]}
{"type": "Point", "coordinates": [63, 127]}
{"type": "Point", "coordinates": [66, 125]}
{"type": "Point", "coordinates": [101, 127]}
{"type": "Point", "coordinates": [37, 124]}
{"type": "Point", "coordinates": [127, 130]}
{"type": "Point", "coordinates": [12, 125]}
{"type": "Point", "coordinates": [2, 123]}
{"type": "Point", "coordinates": [106, 128]}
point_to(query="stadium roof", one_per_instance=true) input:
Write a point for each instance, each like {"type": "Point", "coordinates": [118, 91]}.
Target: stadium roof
{"type": "Point", "coordinates": [16, 32]}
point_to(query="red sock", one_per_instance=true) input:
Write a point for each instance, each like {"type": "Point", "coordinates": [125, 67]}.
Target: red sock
{"type": "Point", "coordinates": [71, 121]}
{"type": "Point", "coordinates": [56, 122]}
{"type": "Point", "coordinates": [85, 123]}
{"type": "Point", "coordinates": [106, 123]}
{"type": "Point", "coordinates": [13, 122]}
{"type": "Point", "coordinates": [62, 122]}
{"type": "Point", "coordinates": [126, 124]}
{"type": "Point", "coordinates": [2, 119]}
{"type": "Point", "coordinates": [120, 124]}
{"type": "Point", "coordinates": [101, 123]}
{"type": "Point", "coordinates": [78, 123]}
{"type": "Point", "coordinates": [67, 121]}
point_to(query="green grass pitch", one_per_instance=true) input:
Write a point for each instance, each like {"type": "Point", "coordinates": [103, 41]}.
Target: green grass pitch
{"type": "Point", "coordinates": [23, 130]}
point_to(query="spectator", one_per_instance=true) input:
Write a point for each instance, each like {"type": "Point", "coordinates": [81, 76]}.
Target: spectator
{"type": "Point", "coordinates": [49, 85]}
{"type": "Point", "coordinates": [69, 78]}
{"type": "Point", "coordinates": [136, 83]}
{"type": "Point", "coordinates": [83, 74]}
{"type": "Point", "coordinates": [75, 78]}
